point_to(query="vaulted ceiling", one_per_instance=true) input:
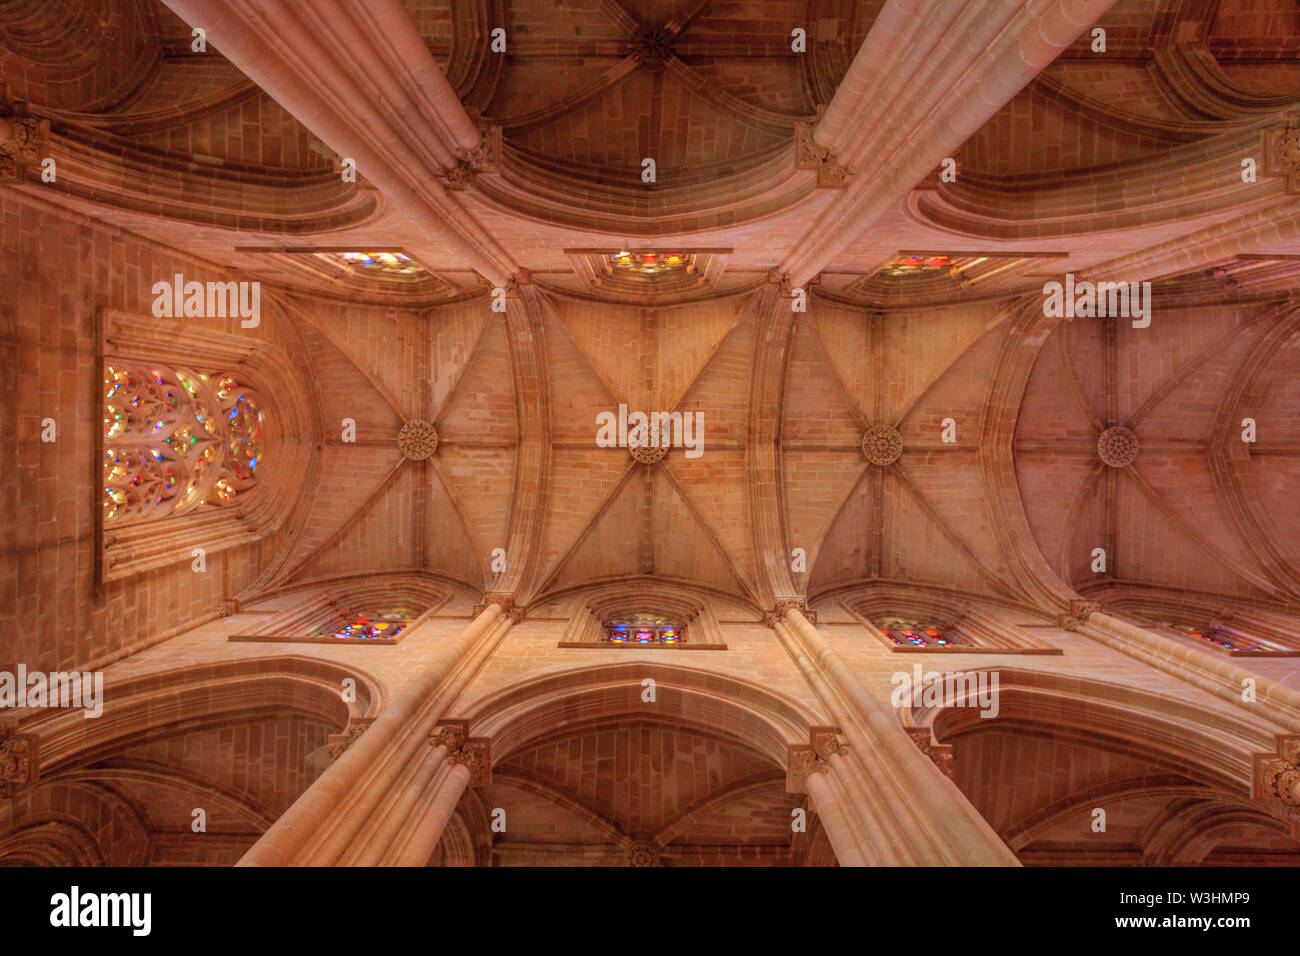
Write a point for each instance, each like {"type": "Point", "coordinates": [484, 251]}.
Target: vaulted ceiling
{"type": "Point", "coordinates": [1124, 164]}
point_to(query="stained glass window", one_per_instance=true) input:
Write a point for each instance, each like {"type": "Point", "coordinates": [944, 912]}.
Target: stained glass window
{"type": "Point", "coordinates": [918, 265]}
{"type": "Point", "coordinates": [393, 265]}
{"type": "Point", "coordinates": [642, 629]}
{"type": "Point", "coordinates": [175, 440]}
{"type": "Point", "coordinates": [381, 627]}
{"type": "Point", "coordinates": [1221, 637]}
{"type": "Point", "coordinates": [906, 633]}
{"type": "Point", "coordinates": [649, 264]}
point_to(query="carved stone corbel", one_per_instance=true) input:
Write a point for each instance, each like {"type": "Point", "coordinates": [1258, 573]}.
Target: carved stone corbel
{"type": "Point", "coordinates": [19, 760]}
{"type": "Point", "coordinates": [23, 139]}
{"type": "Point", "coordinates": [785, 604]}
{"type": "Point", "coordinates": [813, 757]}
{"type": "Point", "coordinates": [1276, 776]}
{"type": "Point", "coordinates": [809, 154]}
{"type": "Point", "coordinates": [939, 754]}
{"type": "Point", "coordinates": [1077, 616]}
{"type": "Point", "coordinates": [476, 755]}
{"type": "Point", "coordinates": [336, 744]}
{"type": "Point", "coordinates": [1281, 153]}
{"type": "Point", "coordinates": [514, 611]}
{"type": "Point", "coordinates": [483, 158]}
{"type": "Point", "coordinates": [801, 761]}
{"type": "Point", "coordinates": [451, 734]}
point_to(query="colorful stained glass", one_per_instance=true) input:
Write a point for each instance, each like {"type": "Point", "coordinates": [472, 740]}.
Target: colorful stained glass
{"type": "Point", "coordinates": [649, 264]}
{"type": "Point", "coordinates": [174, 440]}
{"type": "Point", "coordinates": [1220, 637]}
{"type": "Point", "coordinates": [917, 265]}
{"type": "Point", "coordinates": [390, 265]}
{"type": "Point", "coordinates": [642, 629]}
{"type": "Point", "coordinates": [909, 633]}
{"type": "Point", "coordinates": [379, 627]}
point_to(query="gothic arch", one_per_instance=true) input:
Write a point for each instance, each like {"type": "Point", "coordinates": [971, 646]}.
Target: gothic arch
{"type": "Point", "coordinates": [134, 546]}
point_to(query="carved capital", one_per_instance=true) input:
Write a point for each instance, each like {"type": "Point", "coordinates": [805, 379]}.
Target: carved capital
{"type": "Point", "coordinates": [483, 158]}
{"type": "Point", "coordinates": [19, 763]}
{"type": "Point", "coordinates": [1281, 153]}
{"type": "Point", "coordinates": [23, 139]}
{"type": "Point", "coordinates": [801, 762]}
{"type": "Point", "coordinates": [451, 734]}
{"type": "Point", "coordinates": [786, 604]}
{"type": "Point", "coordinates": [1276, 777]}
{"type": "Point", "coordinates": [809, 154]}
{"type": "Point", "coordinates": [939, 754]}
{"type": "Point", "coordinates": [336, 744]}
{"type": "Point", "coordinates": [1078, 615]}
{"type": "Point", "coordinates": [827, 742]}
{"type": "Point", "coordinates": [514, 611]}
{"type": "Point", "coordinates": [476, 755]}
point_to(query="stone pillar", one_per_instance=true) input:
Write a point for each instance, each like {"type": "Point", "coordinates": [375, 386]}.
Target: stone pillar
{"type": "Point", "coordinates": [417, 849]}
{"type": "Point", "coordinates": [326, 821]}
{"type": "Point", "coordinates": [918, 814]}
{"type": "Point", "coordinates": [831, 812]}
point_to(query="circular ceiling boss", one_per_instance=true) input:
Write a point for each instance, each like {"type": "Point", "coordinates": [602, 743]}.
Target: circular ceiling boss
{"type": "Point", "coordinates": [647, 454]}
{"type": "Point", "coordinates": [882, 445]}
{"type": "Point", "coordinates": [418, 439]}
{"type": "Point", "coordinates": [1117, 446]}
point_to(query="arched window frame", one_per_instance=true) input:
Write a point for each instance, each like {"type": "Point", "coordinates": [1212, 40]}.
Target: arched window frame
{"type": "Point", "coordinates": [290, 437]}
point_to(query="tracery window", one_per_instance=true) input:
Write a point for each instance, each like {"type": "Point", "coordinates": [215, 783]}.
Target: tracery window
{"type": "Point", "coordinates": [649, 264]}
{"type": "Point", "coordinates": [917, 265]}
{"type": "Point", "coordinates": [642, 629]}
{"type": "Point", "coordinates": [1222, 637]}
{"type": "Point", "coordinates": [394, 265]}
{"type": "Point", "coordinates": [904, 632]}
{"type": "Point", "coordinates": [381, 626]}
{"type": "Point", "coordinates": [176, 440]}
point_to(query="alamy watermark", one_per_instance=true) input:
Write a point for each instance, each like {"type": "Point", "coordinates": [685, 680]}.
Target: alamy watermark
{"type": "Point", "coordinates": [208, 300]}
{"type": "Point", "coordinates": [1083, 299]}
{"type": "Point", "coordinates": [83, 689]}
{"type": "Point", "coordinates": [654, 430]}
{"type": "Point", "coordinates": [951, 689]}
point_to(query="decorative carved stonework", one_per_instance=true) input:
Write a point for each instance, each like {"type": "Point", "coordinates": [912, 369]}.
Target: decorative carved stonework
{"type": "Point", "coordinates": [483, 158]}
{"type": "Point", "coordinates": [1276, 776]}
{"type": "Point", "coordinates": [23, 139]}
{"type": "Point", "coordinates": [882, 445]}
{"type": "Point", "coordinates": [826, 741]}
{"type": "Point", "coordinates": [1078, 615]}
{"type": "Point", "coordinates": [486, 156]}
{"type": "Point", "coordinates": [476, 755]}
{"type": "Point", "coordinates": [1117, 446]}
{"type": "Point", "coordinates": [647, 454]}
{"type": "Point", "coordinates": [642, 853]}
{"type": "Point", "coordinates": [939, 754]}
{"type": "Point", "coordinates": [336, 744]}
{"type": "Point", "coordinates": [1281, 150]}
{"type": "Point", "coordinates": [785, 604]}
{"type": "Point", "coordinates": [418, 439]}
{"type": "Point", "coordinates": [515, 612]}
{"type": "Point", "coordinates": [652, 46]}
{"type": "Point", "coordinates": [18, 759]}
{"type": "Point", "coordinates": [801, 762]}
{"type": "Point", "coordinates": [781, 280]}
{"type": "Point", "coordinates": [474, 752]}
{"type": "Point", "coordinates": [228, 607]}
{"type": "Point", "coordinates": [451, 734]}
{"type": "Point", "coordinates": [809, 154]}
